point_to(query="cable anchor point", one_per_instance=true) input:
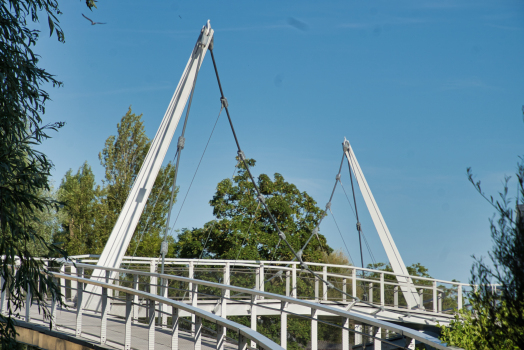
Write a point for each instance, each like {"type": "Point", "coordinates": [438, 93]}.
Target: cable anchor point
{"type": "Point", "coordinates": [345, 145]}
{"type": "Point", "coordinates": [224, 102]}
{"type": "Point", "coordinates": [241, 156]}
{"type": "Point", "coordinates": [181, 142]}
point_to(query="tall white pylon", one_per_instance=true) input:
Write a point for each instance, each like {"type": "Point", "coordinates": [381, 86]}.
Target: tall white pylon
{"type": "Point", "coordinates": [127, 221]}
{"type": "Point", "coordinates": [407, 287]}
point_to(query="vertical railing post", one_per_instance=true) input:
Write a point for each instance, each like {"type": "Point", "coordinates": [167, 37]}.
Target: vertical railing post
{"type": "Point", "coordinates": [370, 293]}
{"type": "Point", "coordinates": [345, 333]}
{"type": "Point", "coordinates": [63, 282]}
{"type": "Point", "coordinates": [262, 279]}
{"type": "Point", "coordinates": [28, 302]}
{"type": "Point", "coordinates": [317, 290]}
{"type": "Point", "coordinates": [382, 289]}
{"type": "Point", "coordinates": [163, 307]}
{"type": "Point", "coordinates": [198, 333]}
{"type": "Point", "coordinates": [283, 324]}
{"type": "Point", "coordinates": [325, 286]}
{"type": "Point", "coordinates": [288, 283]}
{"type": "Point", "coordinates": [253, 317]}
{"type": "Point", "coordinates": [354, 282]}
{"type": "Point", "coordinates": [153, 281]}
{"type": "Point", "coordinates": [105, 309]}
{"type": "Point", "coordinates": [174, 328]}
{"type": "Point", "coordinates": [3, 300]}
{"type": "Point", "coordinates": [135, 300]}
{"type": "Point", "coordinates": [377, 342]}
{"type": "Point", "coordinates": [294, 280]}
{"type": "Point", "coordinates": [421, 298]}
{"type": "Point", "coordinates": [314, 329]}
{"type": "Point", "coordinates": [194, 302]}
{"type": "Point", "coordinates": [221, 332]}
{"type": "Point", "coordinates": [151, 326]}
{"type": "Point", "coordinates": [358, 334]}
{"type": "Point", "coordinates": [79, 297]}
{"type": "Point", "coordinates": [440, 297]}
{"type": "Point", "coordinates": [410, 343]}
{"type": "Point", "coordinates": [191, 294]}
{"type": "Point", "coordinates": [435, 297]}
{"type": "Point", "coordinates": [242, 342]}
{"type": "Point", "coordinates": [459, 296]}
{"type": "Point", "coordinates": [395, 297]}
{"type": "Point", "coordinates": [344, 289]}
{"type": "Point", "coordinates": [127, 322]}
{"type": "Point", "coordinates": [52, 317]}
{"type": "Point", "coordinates": [73, 283]}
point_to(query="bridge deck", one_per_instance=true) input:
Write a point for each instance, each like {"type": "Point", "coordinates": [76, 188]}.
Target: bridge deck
{"type": "Point", "coordinates": [66, 323]}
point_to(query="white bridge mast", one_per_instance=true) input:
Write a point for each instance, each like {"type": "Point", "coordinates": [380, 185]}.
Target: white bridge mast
{"type": "Point", "coordinates": [407, 287]}
{"type": "Point", "coordinates": [127, 221]}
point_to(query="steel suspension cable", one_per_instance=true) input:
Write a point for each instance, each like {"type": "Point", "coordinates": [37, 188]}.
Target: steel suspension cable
{"type": "Point", "coordinates": [196, 170]}
{"type": "Point", "coordinates": [359, 228]}
{"type": "Point", "coordinates": [180, 146]}
{"type": "Point", "coordinates": [335, 220]}
{"type": "Point", "coordinates": [263, 202]}
{"type": "Point", "coordinates": [213, 225]}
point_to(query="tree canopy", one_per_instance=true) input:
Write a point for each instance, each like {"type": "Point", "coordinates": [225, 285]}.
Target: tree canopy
{"type": "Point", "coordinates": [242, 229]}
{"type": "Point", "coordinates": [24, 171]}
{"type": "Point", "coordinates": [91, 210]}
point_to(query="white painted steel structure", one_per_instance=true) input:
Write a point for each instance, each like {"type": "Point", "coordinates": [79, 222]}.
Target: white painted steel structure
{"type": "Point", "coordinates": [410, 293]}
{"type": "Point", "coordinates": [122, 233]}
{"type": "Point", "coordinates": [137, 303]}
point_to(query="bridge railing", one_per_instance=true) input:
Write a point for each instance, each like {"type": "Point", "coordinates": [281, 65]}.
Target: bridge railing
{"type": "Point", "coordinates": [133, 299]}
{"type": "Point", "coordinates": [176, 291]}
{"type": "Point", "coordinates": [377, 287]}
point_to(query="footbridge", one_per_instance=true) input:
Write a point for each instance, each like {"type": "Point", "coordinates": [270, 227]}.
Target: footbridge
{"type": "Point", "coordinates": [119, 302]}
{"type": "Point", "coordinates": [188, 306]}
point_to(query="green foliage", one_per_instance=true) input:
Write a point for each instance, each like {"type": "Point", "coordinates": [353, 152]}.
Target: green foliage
{"type": "Point", "coordinates": [24, 171]}
{"type": "Point", "coordinates": [496, 319]}
{"type": "Point", "coordinates": [242, 229]}
{"type": "Point", "coordinates": [80, 195]}
{"type": "Point", "coordinates": [92, 210]}
{"type": "Point", "coordinates": [468, 330]}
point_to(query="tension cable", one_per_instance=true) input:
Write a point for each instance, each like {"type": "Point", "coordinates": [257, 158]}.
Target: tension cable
{"type": "Point", "coordinates": [261, 198]}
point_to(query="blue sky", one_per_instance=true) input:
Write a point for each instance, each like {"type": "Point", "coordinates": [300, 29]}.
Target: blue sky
{"type": "Point", "coordinates": [421, 89]}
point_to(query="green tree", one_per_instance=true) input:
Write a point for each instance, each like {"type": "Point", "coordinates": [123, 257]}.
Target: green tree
{"type": "Point", "coordinates": [47, 223]}
{"type": "Point", "coordinates": [122, 158]}
{"type": "Point", "coordinates": [496, 318]}
{"type": "Point", "coordinates": [80, 196]}
{"type": "Point", "coordinates": [24, 171]}
{"type": "Point", "coordinates": [242, 229]}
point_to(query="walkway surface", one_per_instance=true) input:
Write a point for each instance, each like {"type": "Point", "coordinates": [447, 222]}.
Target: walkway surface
{"type": "Point", "coordinates": [66, 323]}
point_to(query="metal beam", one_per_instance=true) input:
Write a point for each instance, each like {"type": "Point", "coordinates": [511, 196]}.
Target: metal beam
{"type": "Point", "coordinates": [409, 291]}
{"type": "Point", "coordinates": [127, 221]}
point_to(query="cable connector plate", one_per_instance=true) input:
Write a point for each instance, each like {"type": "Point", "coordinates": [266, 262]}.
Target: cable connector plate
{"type": "Point", "coordinates": [282, 235]}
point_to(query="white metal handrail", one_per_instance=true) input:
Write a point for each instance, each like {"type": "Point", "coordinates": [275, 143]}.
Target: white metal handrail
{"type": "Point", "coordinates": [437, 295]}
{"type": "Point", "coordinates": [285, 301]}
{"type": "Point", "coordinates": [245, 333]}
